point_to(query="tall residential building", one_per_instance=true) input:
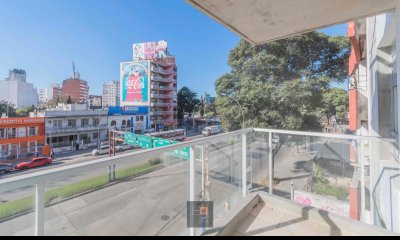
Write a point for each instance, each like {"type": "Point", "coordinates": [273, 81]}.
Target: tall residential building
{"type": "Point", "coordinates": [76, 88]}
{"type": "Point", "coordinates": [95, 102]}
{"type": "Point", "coordinates": [110, 95]}
{"type": "Point", "coordinates": [150, 80]}
{"type": "Point", "coordinates": [208, 99]}
{"type": "Point", "coordinates": [49, 93]}
{"type": "Point", "coordinates": [16, 90]}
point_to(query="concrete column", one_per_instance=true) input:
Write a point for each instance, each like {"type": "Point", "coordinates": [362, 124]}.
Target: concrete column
{"type": "Point", "coordinates": [244, 165]}
{"type": "Point", "coordinates": [39, 209]}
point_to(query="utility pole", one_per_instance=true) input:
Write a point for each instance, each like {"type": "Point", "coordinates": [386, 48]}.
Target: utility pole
{"type": "Point", "coordinates": [73, 69]}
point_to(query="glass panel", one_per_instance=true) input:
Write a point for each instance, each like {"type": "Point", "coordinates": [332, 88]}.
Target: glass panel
{"type": "Point", "coordinates": [16, 210]}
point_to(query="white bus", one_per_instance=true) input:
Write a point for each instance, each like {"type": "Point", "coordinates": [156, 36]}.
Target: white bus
{"type": "Point", "coordinates": [175, 135]}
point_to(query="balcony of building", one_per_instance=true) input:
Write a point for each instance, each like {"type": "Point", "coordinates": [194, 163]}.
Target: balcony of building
{"type": "Point", "coordinates": [260, 181]}
{"type": "Point", "coordinates": [162, 96]}
{"type": "Point", "coordinates": [162, 88]}
{"type": "Point", "coordinates": [163, 71]}
{"type": "Point", "coordinates": [70, 129]}
{"type": "Point", "coordinates": [163, 79]}
{"type": "Point", "coordinates": [163, 104]}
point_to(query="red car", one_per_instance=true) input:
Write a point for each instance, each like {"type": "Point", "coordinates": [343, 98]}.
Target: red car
{"type": "Point", "coordinates": [36, 162]}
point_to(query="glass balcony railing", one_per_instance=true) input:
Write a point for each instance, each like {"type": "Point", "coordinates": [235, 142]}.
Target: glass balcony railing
{"type": "Point", "coordinates": [146, 192]}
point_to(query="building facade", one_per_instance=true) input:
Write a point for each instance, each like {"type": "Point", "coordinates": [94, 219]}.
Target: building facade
{"type": "Point", "coordinates": [16, 90]}
{"type": "Point", "coordinates": [95, 102]}
{"type": "Point", "coordinates": [373, 109]}
{"type": "Point", "coordinates": [129, 119]}
{"type": "Point", "coordinates": [150, 80]}
{"type": "Point", "coordinates": [110, 96]}
{"type": "Point", "coordinates": [208, 99]}
{"type": "Point", "coordinates": [71, 123]}
{"type": "Point", "coordinates": [76, 88]}
{"type": "Point", "coordinates": [21, 137]}
{"type": "Point", "coordinates": [49, 93]}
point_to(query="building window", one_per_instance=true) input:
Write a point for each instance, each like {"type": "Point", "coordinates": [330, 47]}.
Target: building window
{"type": "Point", "coordinates": [113, 123]}
{"type": "Point", "coordinates": [141, 118]}
{"type": "Point", "coordinates": [129, 123]}
{"type": "Point", "coordinates": [2, 133]}
{"type": "Point", "coordinates": [95, 136]}
{"type": "Point", "coordinates": [84, 122]}
{"type": "Point", "coordinates": [32, 131]}
{"type": "Point", "coordinates": [124, 123]}
{"type": "Point", "coordinates": [57, 123]}
{"type": "Point", "coordinates": [12, 133]}
{"type": "Point", "coordinates": [137, 118]}
{"type": "Point", "coordinates": [72, 123]}
{"type": "Point", "coordinates": [96, 121]}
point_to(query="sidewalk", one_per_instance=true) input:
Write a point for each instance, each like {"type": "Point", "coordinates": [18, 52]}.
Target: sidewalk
{"type": "Point", "coordinates": [79, 153]}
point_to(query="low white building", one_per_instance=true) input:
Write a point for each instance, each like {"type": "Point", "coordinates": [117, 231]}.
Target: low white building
{"type": "Point", "coordinates": [71, 123]}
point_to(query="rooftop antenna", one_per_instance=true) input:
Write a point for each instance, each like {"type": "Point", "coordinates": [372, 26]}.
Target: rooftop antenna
{"type": "Point", "coordinates": [73, 69]}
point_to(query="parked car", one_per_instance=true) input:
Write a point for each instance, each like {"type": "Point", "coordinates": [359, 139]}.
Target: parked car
{"type": "Point", "coordinates": [123, 147]}
{"type": "Point", "coordinates": [5, 168]}
{"type": "Point", "coordinates": [101, 150]}
{"type": "Point", "coordinates": [35, 162]}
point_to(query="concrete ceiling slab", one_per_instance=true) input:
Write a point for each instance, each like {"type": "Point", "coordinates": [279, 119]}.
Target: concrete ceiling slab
{"type": "Point", "coordinates": [261, 21]}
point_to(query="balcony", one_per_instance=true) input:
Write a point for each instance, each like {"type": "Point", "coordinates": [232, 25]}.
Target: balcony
{"type": "Point", "coordinates": [161, 104]}
{"type": "Point", "coordinates": [317, 183]}
{"type": "Point", "coordinates": [162, 79]}
{"type": "Point", "coordinates": [162, 96]}
{"type": "Point", "coordinates": [162, 71]}
{"type": "Point", "coordinates": [57, 130]}
{"type": "Point", "coordinates": [162, 88]}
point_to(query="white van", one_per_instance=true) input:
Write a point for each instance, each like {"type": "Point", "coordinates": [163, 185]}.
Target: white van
{"type": "Point", "coordinates": [211, 130]}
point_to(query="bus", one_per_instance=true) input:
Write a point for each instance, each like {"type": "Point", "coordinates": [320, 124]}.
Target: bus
{"type": "Point", "coordinates": [174, 135]}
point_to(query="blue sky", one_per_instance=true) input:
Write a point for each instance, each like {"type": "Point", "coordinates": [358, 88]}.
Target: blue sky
{"type": "Point", "coordinates": [45, 36]}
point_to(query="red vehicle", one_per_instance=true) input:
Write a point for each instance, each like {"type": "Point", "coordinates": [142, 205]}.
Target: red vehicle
{"type": "Point", "coordinates": [36, 162]}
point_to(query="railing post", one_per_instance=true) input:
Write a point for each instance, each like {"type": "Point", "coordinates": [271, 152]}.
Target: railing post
{"type": "Point", "coordinates": [191, 182]}
{"type": "Point", "coordinates": [362, 180]}
{"type": "Point", "coordinates": [202, 172]}
{"type": "Point", "coordinates": [39, 209]}
{"type": "Point", "coordinates": [244, 164]}
{"type": "Point", "coordinates": [270, 164]}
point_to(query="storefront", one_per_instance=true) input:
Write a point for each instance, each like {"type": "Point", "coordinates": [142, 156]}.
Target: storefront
{"type": "Point", "coordinates": [21, 137]}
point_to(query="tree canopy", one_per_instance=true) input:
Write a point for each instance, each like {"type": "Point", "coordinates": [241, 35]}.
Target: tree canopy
{"type": "Point", "coordinates": [7, 107]}
{"type": "Point", "coordinates": [187, 102]}
{"type": "Point", "coordinates": [335, 103]}
{"type": "Point", "coordinates": [280, 84]}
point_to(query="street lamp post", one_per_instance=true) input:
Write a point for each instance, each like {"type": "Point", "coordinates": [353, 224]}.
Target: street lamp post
{"type": "Point", "coordinates": [241, 109]}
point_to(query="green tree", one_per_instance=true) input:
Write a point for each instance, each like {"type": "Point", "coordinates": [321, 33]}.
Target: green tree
{"type": "Point", "coordinates": [202, 110]}
{"type": "Point", "coordinates": [24, 112]}
{"type": "Point", "coordinates": [335, 103]}
{"type": "Point", "coordinates": [280, 84]}
{"type": "Point", "coordinates": [69, 100]}
{"type": "Point", "coordinates": [7, 107]}
{"type": "Point", "coordinates": [187, 103]}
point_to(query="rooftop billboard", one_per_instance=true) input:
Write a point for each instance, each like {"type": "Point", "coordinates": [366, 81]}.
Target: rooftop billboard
{"type": "Point", "coordinates": [150, 50]}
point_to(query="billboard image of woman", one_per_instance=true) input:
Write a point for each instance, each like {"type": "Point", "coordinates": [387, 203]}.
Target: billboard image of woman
{"type": "Point", "coordinates": [134, 83]}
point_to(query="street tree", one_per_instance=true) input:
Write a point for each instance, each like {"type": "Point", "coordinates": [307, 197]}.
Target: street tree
{"type": "Point", "coordinates": [335, 103]}
{"type": "Point", "coordinates": [187, 103]}
{"type": "Point", "coordinates": [7, 108]}
{"type": "Point", "coordinates": [280, 84]}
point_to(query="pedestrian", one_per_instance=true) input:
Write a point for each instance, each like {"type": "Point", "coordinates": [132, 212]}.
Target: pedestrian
{"type": "Point", "coordinates": [52, 154]}
{"type": "Point", "coordinates": [36, 154]}
{"type": "Point", "coordinates": [77, 146]}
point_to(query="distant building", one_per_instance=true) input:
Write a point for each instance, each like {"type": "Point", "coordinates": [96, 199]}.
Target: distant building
{"type": "Point", "coordinates": [110, 96]}
{"type": "Point", "coordinates": [208, 99]}
{"type": "Point", "coordinates": [76, 88]}
{"type": "Point", "coordinates": [129, 119]}
{"type": "Point", "coordinates": [150, 80]}
{"type": "Point", "coordinates": [16, 90]}
{"type": "Point", "coordinates": [49, 93]}
{"type": "Point", "coordinates": [95, 102]}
